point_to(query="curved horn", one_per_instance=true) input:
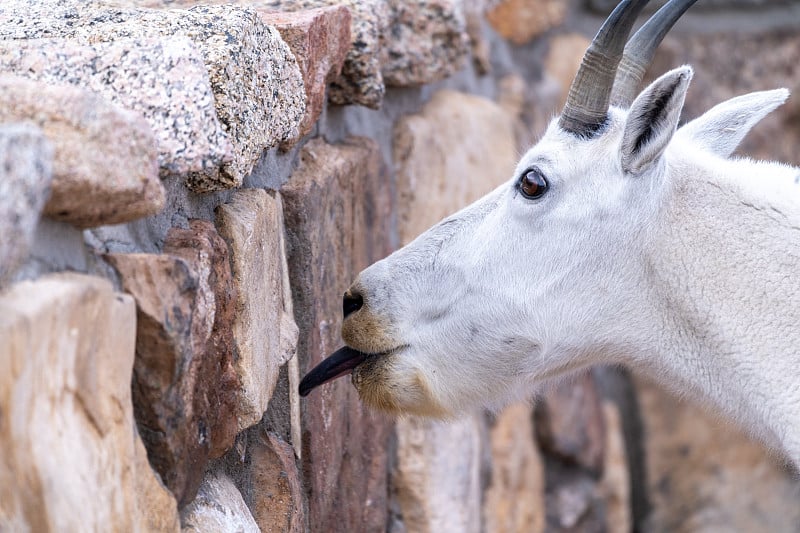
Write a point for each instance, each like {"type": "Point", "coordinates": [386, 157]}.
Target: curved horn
{"type": "Point", "coordinates": [641, 49]}
{"type": "Point", "coordinates": [590, 92]}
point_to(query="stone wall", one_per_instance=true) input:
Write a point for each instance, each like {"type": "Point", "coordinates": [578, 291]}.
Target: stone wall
{"type": "Point", "coordinates": [187, 189]}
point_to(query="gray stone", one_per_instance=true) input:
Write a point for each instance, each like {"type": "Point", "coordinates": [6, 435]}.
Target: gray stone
{"type": "Point", "coordinates": [425, 42]}
{"type": "Point", "coordinates": [163, 79]}
{"type": "Point", "coordinates": [25, 176]}
{"type": "Point", "coordinates": [105, 168]}
{"type": "Point", "coordinates": [218, 508]}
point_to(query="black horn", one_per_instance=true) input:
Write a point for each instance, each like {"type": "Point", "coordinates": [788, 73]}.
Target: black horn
{"type": "Point", "coordinates": [641, 49]}
{"type": "Point", "coordinates": [590, 93]}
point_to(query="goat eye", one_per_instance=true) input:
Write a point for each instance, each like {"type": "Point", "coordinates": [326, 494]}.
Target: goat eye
{"type": "Point", "coordinates": [533, 184]}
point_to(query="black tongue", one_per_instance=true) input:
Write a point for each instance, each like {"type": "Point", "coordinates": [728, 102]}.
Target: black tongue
{"type": "Point", "coordinates": [339, 363]}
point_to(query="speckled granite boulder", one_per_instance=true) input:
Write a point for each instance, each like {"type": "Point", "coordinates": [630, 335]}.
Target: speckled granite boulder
{"type": "Point", "coordinates": [257, 86]}
{"type": "Point", "coordinates": [427, 41]}
{"type": "Point", "coordinates": [105, 168]}
{"type": "Point", "coordinates": [25, 174]}
{"type": "Point", "coordinates": [163, 79]}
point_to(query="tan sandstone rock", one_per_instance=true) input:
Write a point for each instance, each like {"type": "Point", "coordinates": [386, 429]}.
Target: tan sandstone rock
{"type": "Point", "coordinates": [563, 59]}
{"type": "Point", "coordinates": [71, 459]}
{"type": "Point", "coordinates": [445, 159]}
{"type": "Point", "coordinates": [438, 474]}
{"type": "Point", "coordinates": [264, 332]}
{"type": "Point", "coordinates": [105, 167]}
{"type": "Point", "coordinates": [520, 21]}
{"type": "Point", "coordinates": [514, 499]}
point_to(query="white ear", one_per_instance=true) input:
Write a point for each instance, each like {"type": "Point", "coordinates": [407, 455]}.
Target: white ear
{"type": "Point", "coordinates": [652, 120]}
{"type": "Point", "coordinates": [722, 128]}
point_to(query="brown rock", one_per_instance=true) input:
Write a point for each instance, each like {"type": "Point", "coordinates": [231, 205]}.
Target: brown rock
{"type": "Point", "coordinates": [264, 332]}
{"type": "Point", "coordinates": [514, 499]}
{"type": "Point", "coordinates": [26, 160]}
{"type": "Point", "coordinates": [337, 221]}
{"type": "Point", "coordinates": [105, 168]}
{"type": "Point", "coordinates": [184, 384]}
{"type": "Point", "coordinates": [569, 423]}
{"type": "Point", "coordinates": [319, 40]}
{"type": "Point", "coordinates": [218, 508]}
{"type": "Point", "coordinates": [521, 21]}
{"type": "Point", "coordinates": [277, 500]}
{"type": "Point", "coordinates": [734, 63]}
{"type": "Point", "coordinates": [71, 458]}
{"type": "Point", "coordinates": [704, 475]}
{"type": "Point", "coordinates": [563, 59]}
{"type": "Point", "coordinates": [439, 168]}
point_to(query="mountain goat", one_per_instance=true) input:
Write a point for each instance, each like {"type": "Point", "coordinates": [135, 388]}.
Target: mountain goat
{"type": "Point", "coordinates": [619, 239]}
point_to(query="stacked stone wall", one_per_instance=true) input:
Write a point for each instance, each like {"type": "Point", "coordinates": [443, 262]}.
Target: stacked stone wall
{"type": "Point", "coordinates": [186, 190]}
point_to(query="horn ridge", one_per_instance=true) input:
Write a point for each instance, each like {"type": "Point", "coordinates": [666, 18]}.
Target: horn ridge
{"type": "Point", "coordinates": [641, 49]}
{"type": "Point", "coordinates": [589, 95]}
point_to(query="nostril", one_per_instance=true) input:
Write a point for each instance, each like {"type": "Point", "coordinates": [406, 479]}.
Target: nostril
{"type": "Point", "coordinates": [351, 302]}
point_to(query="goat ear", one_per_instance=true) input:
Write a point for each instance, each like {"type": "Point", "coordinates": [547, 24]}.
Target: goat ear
{"type": "Point", "coordinates": [652, 120]}
{"type": "Point", "coordinates": [722, 128]}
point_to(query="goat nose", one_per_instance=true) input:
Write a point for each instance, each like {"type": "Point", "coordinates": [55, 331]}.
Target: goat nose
{"type": "Point", "coordinates": [351, 302]}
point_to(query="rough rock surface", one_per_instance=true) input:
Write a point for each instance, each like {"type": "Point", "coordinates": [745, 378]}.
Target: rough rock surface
{"type": "Point", "coordinates": [704, 475]}
{"type": "Point", "coordinates": [184, 383]}
{"type": "Point", "coordinates": [426, 41]}
{"type": "Point", "coordinates": [277, 495]}
{"type": "Point", "coordinates": [337, 220]}
{"type": "Point", "coordinates": [514, 499]}
{"type": "Point", "coordinates": [520, 21]}
{"type": "Point", "coordinates": [361, 81]}
{"type": "Point", "coordinates": [163, 79]}
{"type": "Point", "coordinates": [257, 86]}
{"type": "Point", "coordinates": [26, 160]}
{"type": "Point", "coordinates": [439, 169]}
{"type": "Point", "coordinates": [218, 508]}
{"type": "Point", "coordinates": [438, 485]}
{"type": "Point", "coordinates": [105, 168]}
{"type": "Point", "coordinates": [71, 459]}
{"type": "Point", "coordinates": [264, 331]}
{"type": "Point", "coordinates": [319, 40]}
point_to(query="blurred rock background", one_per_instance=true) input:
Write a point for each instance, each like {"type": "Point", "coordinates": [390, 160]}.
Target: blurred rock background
{"type": "Point", "coordinates": [187, 188]}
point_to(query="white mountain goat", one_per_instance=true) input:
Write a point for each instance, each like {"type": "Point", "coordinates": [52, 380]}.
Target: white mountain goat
{"type": "Point", "coordinates": [618, 240]}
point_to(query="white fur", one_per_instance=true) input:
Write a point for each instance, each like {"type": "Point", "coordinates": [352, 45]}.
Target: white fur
{"type": "Point", "coordinates": [684, 266]}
